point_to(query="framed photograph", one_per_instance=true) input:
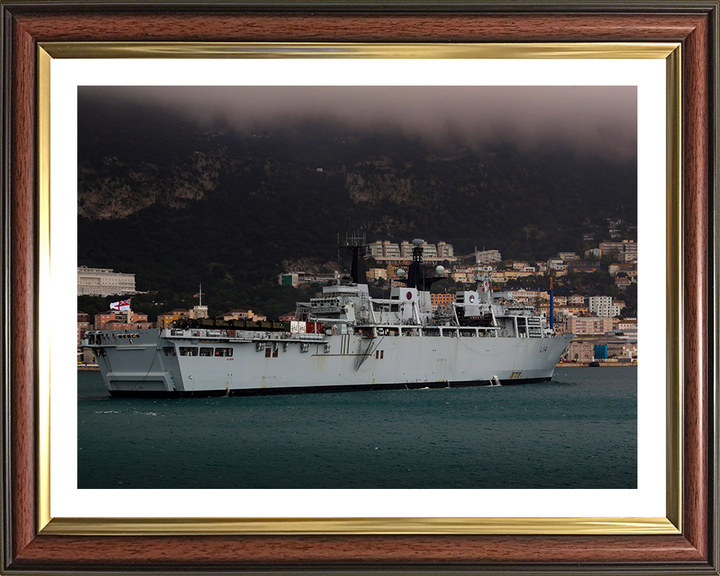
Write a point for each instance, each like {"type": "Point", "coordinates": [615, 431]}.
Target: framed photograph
{"type": "Point", "coordinates": [62, 60]}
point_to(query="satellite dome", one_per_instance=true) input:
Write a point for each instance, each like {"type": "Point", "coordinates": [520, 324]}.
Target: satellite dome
{"type": "Point", "coordinates": [400, 273]}
{"type": "Point", "coordinates": [439, 269]}
{"type": "Point", "coordinates": [418, 242]}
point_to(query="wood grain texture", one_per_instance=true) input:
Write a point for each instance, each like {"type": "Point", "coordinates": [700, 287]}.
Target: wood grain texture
{"type": "Point", "coordinates": [22, 294]}
{"type": "Point", "coordinates": [696, 182]}
{"type": "Point", "coordinates": [221, 552]}
{"type": "Point", "coordinates": [357, 28]}
{"type": "Point", "coordinates": [688, 552]}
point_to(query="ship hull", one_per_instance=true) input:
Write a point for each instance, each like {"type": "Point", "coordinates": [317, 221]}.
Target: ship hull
{"type": "Point", "coordinates": [187, 363]}
{"type": "Point", "coordinates": [317, 389]}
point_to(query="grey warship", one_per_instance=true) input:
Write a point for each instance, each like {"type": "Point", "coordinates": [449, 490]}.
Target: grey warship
{"type": "Point", "coordinates": [343, 339]}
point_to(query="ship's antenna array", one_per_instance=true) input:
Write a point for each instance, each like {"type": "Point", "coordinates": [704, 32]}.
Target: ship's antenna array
{"type": "Point", "coordinates": [355, 239]}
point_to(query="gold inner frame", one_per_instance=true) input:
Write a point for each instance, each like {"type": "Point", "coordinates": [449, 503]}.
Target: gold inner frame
{"type": "Point", "coordinates": [671, 524]}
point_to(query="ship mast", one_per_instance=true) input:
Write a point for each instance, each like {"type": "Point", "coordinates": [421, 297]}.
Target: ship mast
{"type": "Point", "coordinates": [355, 244]}
{"type": "Point", "coordinates": [200, 294]}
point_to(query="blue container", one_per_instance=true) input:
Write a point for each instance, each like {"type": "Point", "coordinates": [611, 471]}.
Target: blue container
{"type": "Point", "coordinates": [600, 351]}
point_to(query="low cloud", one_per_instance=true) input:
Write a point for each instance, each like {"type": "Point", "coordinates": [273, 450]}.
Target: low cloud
{"type": "Point", "coordinates": [598, 120]}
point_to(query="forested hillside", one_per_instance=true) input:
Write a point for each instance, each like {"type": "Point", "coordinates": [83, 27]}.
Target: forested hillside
{"type": "Point", "coordinates": [178, 204]}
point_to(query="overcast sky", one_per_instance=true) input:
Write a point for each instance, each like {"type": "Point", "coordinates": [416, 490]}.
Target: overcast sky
{"type": "Point", "coordinates": [592, 120]}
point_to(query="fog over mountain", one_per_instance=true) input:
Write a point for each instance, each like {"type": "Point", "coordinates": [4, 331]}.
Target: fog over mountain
{"type": "Point", "coordinates": [595, 120]}
{"type": "Point", "coordinates": [231, 186]}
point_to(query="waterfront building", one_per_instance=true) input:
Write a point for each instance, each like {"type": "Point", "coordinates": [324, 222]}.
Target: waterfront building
{"type": "Point", "coordinates": [579, 351]}
{"type": "Point", "coordinates": [82, 327]}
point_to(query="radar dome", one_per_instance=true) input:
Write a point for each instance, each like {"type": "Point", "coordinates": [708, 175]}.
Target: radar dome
{"type": "Point", "coordinates": [418, 242]}
{"type": "Point", "coordinates": [401, 273]}
{"type": "Point", "coordinates": [440, 270]}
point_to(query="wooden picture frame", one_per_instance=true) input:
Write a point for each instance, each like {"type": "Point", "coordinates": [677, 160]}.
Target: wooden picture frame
{"type": "Point", "coordinates": [26, 25]}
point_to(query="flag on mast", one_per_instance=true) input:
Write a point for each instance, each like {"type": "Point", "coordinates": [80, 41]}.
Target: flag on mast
{"type": "Point", "coordinates": [121, 305]}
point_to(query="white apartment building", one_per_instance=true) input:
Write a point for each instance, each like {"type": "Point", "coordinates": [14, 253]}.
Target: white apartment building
{"type": "Point", "coordinates": [384, 250]}
{"type": "Point", "coordinates": [602, 306]}
{"type": "Point", "coordinates": [375, 249]}
{"type": "Point", "coordinates": [391, 250]}
{"type": "Point", "coordinates": [429, 251]}
{"type": "Point", "coordinates": [103, 282]}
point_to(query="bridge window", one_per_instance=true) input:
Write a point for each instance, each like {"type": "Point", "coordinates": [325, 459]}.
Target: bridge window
{"type": "Point", "coordinates": [188, 351]}
{"type": "Point", "coordinates": [169, 351]}
{"type": "Point", "coordinates": [206, 352]}
{"type": "Point", "coordinates": [224, 352]}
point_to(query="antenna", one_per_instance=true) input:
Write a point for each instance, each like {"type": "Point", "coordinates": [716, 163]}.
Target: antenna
{"type": "Point", "coordinates": [200, 294]}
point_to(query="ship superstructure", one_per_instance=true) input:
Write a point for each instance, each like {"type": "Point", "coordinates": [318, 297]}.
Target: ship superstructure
{"type": "Point", "coordinates": [342, 339]}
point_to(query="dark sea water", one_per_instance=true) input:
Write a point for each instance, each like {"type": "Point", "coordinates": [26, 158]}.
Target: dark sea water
{"type": "Point", "coordinates": [578, 431]}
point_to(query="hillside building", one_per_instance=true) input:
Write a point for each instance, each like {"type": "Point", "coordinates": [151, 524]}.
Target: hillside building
{"type": "Point", "coordinates": [124, 320]}
{"type": "Point", "coordinates": [445, 251]}
{"type": "Point", "coordinates": [624, 251]}
{"type": "Point", "coordinates": [488, 257]}
{"type": "Point", "coordinates": [603, 306]}
{"type": "Point", "coordinates": [583, 266]}
{"type": "Point", "coordinates": [166, 319]}
{"type": "Point", "coordinates": [386, 251]}
{"type": "Point", "coordinates": [377, 273]}
{"type": "Point", "coordinates": [591, 325]}
{"type": "Point", "coordinates": [104, 282]}
{"type": "Point", "coordinates": [441, 300]}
